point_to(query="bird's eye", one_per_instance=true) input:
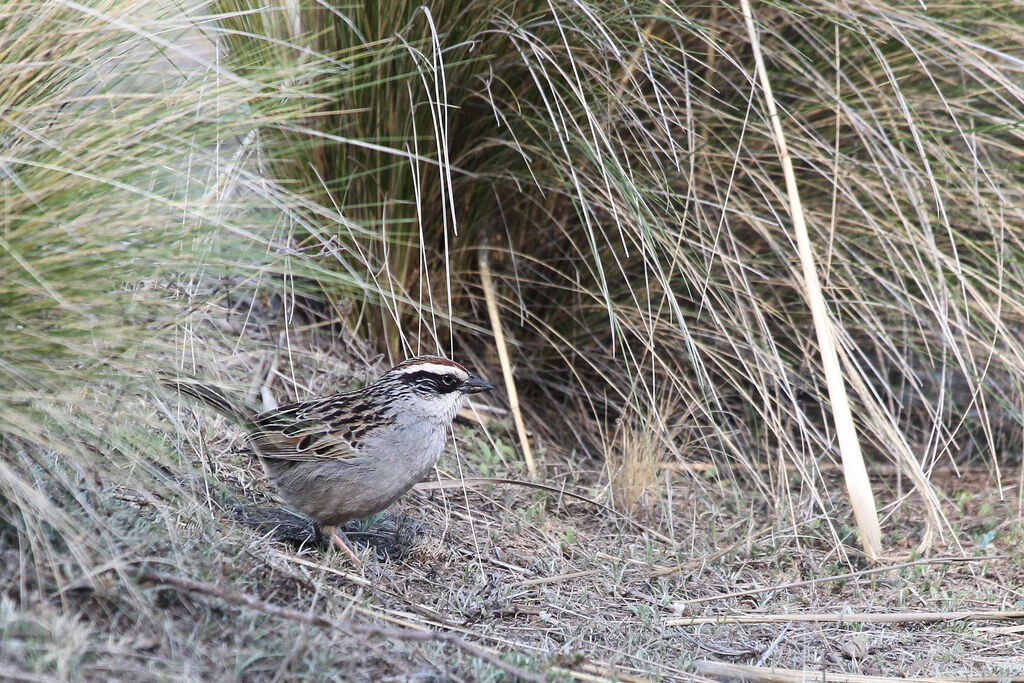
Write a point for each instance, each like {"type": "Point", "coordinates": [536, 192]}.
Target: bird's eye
{"type": "Point", "coordinates": [444, 384]}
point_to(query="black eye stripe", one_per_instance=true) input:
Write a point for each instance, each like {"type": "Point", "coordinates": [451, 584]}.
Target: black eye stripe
{"type": "Point", "coordinates": [431, 381]}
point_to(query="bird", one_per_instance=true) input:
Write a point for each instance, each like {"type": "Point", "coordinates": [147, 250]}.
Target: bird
{"type": "Point", "coordinates": [352, 454]}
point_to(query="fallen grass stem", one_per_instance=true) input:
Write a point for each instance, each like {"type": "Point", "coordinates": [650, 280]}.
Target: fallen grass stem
{"type": "Point", "coordinates": [852, 617]}
{"type": "Point", "coordinates": [603, 673]}
{"type": "Point", "coordinates": [9, 673]}
{"type": "Point", "coordinates": [413, 621]}
{"type": "Point", "coordinates": [711, 557]}
{"type": "Point", "coordinates": [764, 674]}
{"type": "Point", "coordinates": [843, 577]}
{"type": "Point", "coordinates": [408, 635]}
{"type": "Point", "coordinates": [348, 576]}
{"type": "Point", "coordinates": [1003, 630]}
{"type": "Point", "coordinates": [556, 579]}
{"type": "Point", "coordinates": [483, 481]}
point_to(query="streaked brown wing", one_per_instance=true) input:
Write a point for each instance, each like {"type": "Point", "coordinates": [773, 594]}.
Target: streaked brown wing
{"type": "Point", "coordinates": [314, 446]}
{"type": "Point", "coordinates": [298, 432]}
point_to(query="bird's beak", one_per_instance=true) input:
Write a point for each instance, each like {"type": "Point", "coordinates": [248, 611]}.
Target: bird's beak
{"type": "Point", "coordinates": [474, 385]}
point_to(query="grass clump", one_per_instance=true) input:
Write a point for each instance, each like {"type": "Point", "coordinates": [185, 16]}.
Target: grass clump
{"type": "Point", "coordinates": [132, 198]}
{"type": "Point", "coordinates": [110, 178]}
{"type": "Point", "coordinates": [615, 164]}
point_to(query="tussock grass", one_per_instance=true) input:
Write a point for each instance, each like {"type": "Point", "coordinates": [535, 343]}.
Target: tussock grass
{"type": "Point", "coordinates": [633, 466]}
{"type": "Point", "coordinates": [616, 164]}
{"type": "Point", "coordinates": [115, 140]}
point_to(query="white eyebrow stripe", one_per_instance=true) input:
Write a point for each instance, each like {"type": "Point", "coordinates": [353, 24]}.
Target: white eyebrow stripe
{"type": "Point", "coordinates": [435, 368]}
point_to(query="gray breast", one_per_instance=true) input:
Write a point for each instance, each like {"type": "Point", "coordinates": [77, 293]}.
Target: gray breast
{"type": "Point", "coordinates": [386, 466]}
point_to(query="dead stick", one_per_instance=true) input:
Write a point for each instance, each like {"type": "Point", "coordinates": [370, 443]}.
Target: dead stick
{"type": "Point", "coordinates": [842, 577]}
{"type": "Point", "coordinates": [408, 635]}
{"type": "Point", "coordinates": [851, 617]}
{"type": "Point", "coordinates": [506, 367]}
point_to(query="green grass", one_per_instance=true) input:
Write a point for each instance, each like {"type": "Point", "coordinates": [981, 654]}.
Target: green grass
{"type": "Point", "coordinates": [113, 168]}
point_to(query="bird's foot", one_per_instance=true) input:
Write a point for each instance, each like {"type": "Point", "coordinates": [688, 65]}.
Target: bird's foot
{"type": "Point", "coordinates": [338, 538]}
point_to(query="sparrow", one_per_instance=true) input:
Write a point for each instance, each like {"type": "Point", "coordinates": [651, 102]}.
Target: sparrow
{"type": "Point", "coordinates": [349, 455]}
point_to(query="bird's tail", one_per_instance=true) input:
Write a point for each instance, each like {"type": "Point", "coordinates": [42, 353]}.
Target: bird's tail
{"type": "Point", "coordinates": [217, 399]}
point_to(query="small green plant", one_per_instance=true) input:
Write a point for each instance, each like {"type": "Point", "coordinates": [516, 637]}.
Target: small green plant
{"type": "Point", "coordinates": [985, 540]}
{"type": "Point", "coordinates": [537, 509]}
{"type": "Point", "coordinates": [491, 458]}
{"type": "Point", "coordinates": [568, 539]}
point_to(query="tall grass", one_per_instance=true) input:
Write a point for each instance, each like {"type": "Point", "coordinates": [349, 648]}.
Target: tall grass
{"type": "Point", "coordinates": [615, 160]}
{"type": "Point", "coordinates": [116, 132]}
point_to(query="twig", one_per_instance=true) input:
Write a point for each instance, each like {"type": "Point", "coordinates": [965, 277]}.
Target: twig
{"type": "Point", "coordinates": [506, 367]}
{"type": "Point", "coordinates": [311, 619]}
{"type": "Point", "coordinates": [469, 482]}
{"type": "Point", "coordinates": [857, 483]}
{"type": "Point", "coordinates": [556, 579]}
{"type": "Point", "coordinates": [348, 576]}
{"type": "Point", "coordinates": [775, 644]}
{"type": "Point", "coordinates": [761, 674]}
{"type": "Point", "coordinates": [843, 577]}
{"type": "Point", "coordinates": [851, 618]}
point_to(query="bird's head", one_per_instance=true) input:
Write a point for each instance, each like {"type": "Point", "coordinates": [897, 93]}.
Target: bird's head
{"type": "Point", "coordinates": [432, 387]}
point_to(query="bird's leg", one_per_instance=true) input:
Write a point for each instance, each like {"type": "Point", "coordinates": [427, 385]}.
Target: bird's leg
{"type": "Point", "coordinates": [337, 537]}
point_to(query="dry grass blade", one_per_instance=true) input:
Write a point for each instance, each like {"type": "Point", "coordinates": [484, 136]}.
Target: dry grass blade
{"type": "Point", "coordinates": [763, 674]}
{"type": "Point", "coordinates": [487, 282]}
{"type": "Point", "coordinates": [311, 619]}
{"type": "Point", "coordinates": [484, 481]}
{"type": "Point", "coordinates": [852, 618]}
{"type": "Point", "coordinates": [10, 673]}
{"type": "Point", "coordinates": [545, 580]}
{"type": "Point", "coordinates": [905, 459]}
{"type": "Point", "coordinates": [348, 576]}
{"type": "Point", "coordinates": [857, 483]}
{"type": "Point", "coordinates": [602, 673]}
{"type": "Point", "coordinates": [1003, 630]}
